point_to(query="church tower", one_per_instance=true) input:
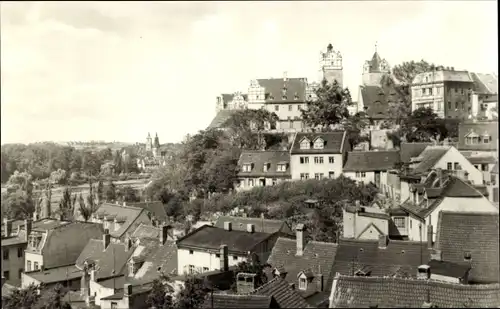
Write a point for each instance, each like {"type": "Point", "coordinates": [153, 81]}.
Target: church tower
{"type": "Point", "coordinates": [374, 69]}
{"type": "Point", "coordinates": [330, 64]}
{"type": "Point", "coordinates": [149, 143]}
{"type": "Point", "coordinates": [156, 146]}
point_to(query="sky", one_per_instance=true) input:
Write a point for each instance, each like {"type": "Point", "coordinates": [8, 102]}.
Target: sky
{"type": "Point", "coordinates": [114, 71]}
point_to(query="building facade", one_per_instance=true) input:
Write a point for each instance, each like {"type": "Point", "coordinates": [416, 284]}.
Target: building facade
{"type": "Point", "coordinates": [262, 168]}
{"type": "Point", "coordinates": [13, 247]}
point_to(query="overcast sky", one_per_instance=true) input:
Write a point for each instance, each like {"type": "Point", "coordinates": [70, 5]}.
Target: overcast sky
{"type": "Point", "coordinates": [114, 71]}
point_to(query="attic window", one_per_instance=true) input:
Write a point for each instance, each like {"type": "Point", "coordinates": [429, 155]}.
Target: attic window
{"type": "Point", "coordinates": [302, 284]}
{"type": "Point", "coordinates": [266, 167]}
{"type": "Point", "coordinates": [319, 143]}
{"type": "Point", "coordinates": [361, 249]}
{"type": "Point", "coordinates": [247, 167]}
{"type": "Point", "coordinates": [296, 96]}
{"type": "Point", "coordinates": [305, 144]}
{"type": "Point", "coordinates": [284, 97]}
{"type": "Point", "coordinates": [281, 167]}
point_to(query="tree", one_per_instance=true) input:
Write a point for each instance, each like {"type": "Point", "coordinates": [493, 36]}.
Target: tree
{"type": "Point", "coordinates": [58, 177]}
{"type": "Point", "coordinates": [219, 170]}
{"type": "Point", "coordinates": [160, 296]}
{"type": "Point", "coordinates": [329, 108]}
{"type": "Point", "coordinates": [254, 266]}
{"type": "Point", "coordinates": [67, 205]}
{"type": "Point", "coordinates": [128, 194]}
{"type": "Point", "coordinates": [423, 125]}
{"type": "Point", "coordinates": [24, 298]}
{"type": "Point", "coordinates": [100, 192]}
{"type": "Point", "coordinates": [356, 126]}
{"type": "Point", "coordinates": [53, 299]}
{"type": "Point", "coordinates": [110, 192]}
{"type": "Point", "coordinates": [246, 127]}
{"type": "Point", "coordinates": [193, 294]}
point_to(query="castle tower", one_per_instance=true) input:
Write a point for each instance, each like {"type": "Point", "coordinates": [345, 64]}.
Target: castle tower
{"type": "Point", "coordinates": [374, 69]}
{"type": "Point", "coordinates": [330, 64]}
{"type": "Point", "coordinates": [156, 146]}
{"type": "Point", "coordinates": [149, 143]}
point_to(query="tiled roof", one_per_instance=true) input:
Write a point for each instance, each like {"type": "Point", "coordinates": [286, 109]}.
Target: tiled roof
{"type": "Point", "coordinates": [228, 97]}
{"type": "Point", "coordinates": [485, 83]}
{"type": "Point", "coordinates": [478, 235]}
{"type": "Point", "coordinates": [259, 158]}
{"type": "Point", "coordinates": [399, 257]}
{"type": "Point", "coordinates": [376, 100]}
{"type": "Point", "coordinates": [410, 150]}
{"type": "Point", "coordinates": [274, 87]}
{"type": "Point", "coordinates": [221, 118]}
{"type": "Point", "coordinates": [60, 247]}
{"type": "Point", "coordinates": [430, 157]}
{"type": "Point", "coordinates": [128, 212]}
{"type": "Point", "coordinates": [14, 240]}
{"type": "Point", "coordinates": [482, 159]}
{"type": "Point", "coordinates": [47, 224]}
{"type": "Point", "coordinates": [58, 274]}
{"type": "Point", "coordinates": [108, 262]}
{"type": "Point", "coordinates": [375, 63]}
{"type": "Point", "coordinates": [156, 208]}
{"type": "Point", "coordinates": [157, 258]}
{"type": "Point", "coordinates": [362, 292]}
{"type": "Point", "coordinates": [285, 295]}
{"type": "Point", "coordinates": [317, 257]}
{"type": "Point", "coordinates": [217, 300]}
{"type": "Point", "coordinates": [449, 269]}
{"type": "Point", "coordinates": [261, 225]}
{"type": "Point", "coordinates": [146, 231]}
{"type": "Point", "coordinates": [443, 76]}
{"type": "Point", "coordinates": [479, 127]}
{"type": "Point", "coordinates": [367, 161]}
{"type": "Point", "coordinates": [333, 142]}
{"type": "Point", "coordinates": [211, 238]}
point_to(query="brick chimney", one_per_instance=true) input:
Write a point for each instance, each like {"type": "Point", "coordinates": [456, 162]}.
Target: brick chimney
{"type": "Point", "coordinates": [224, 258]}
{"type": "Point", "coordinates": [250, 228]}
{"type": "Point", "coordinates": [7, 224]}
{"type": "Point", "coordinates": [27, 226]}
{"type": "Point", "coordinates": [164, 233]}
{"type": "Point", "coordinates": [228, 226]}
{"type": "Point", "coordinates": [93, 275]}
{"type": "Point", "coordinates": [106, 239]}
{"type": "Point", "coordinates": [429, 236]}
{"type": "Point", "coordinates": [383, 240]}
{"type": "Point", "coordinates": [424, 272]}
{"type": "Point", "coordinates": [301, 238]}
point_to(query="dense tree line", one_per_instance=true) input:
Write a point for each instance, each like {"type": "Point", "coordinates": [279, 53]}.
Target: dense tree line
{"type": "Point", "coordinates": [36, 297]}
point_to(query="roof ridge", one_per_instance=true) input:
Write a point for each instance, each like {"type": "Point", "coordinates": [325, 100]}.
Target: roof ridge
{"type": "Point", "coordinates": [277, 278]}
{"type": "Point", "coordinates": [492, 286]}
{"type": "Point", "coordinates": [470, 212]}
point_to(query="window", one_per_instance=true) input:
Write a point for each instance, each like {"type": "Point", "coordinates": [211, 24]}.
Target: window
{"type": "Point", "coordinates": [456, 105]}
{"type": "Point", "coordinates": [281, 168]}
{"type": "Point", "coordinates": [191, 269]}
{"type": "Point", "coordinates": [304, 160]}
{"type": "Point", "coordinates": [284, 98]}
{"type": "Point", "coordinates": [331, 160]}
{"type": "Point", "coordinates": [290, 108]}
{"type": "Point", "coordinates": [217, 255]}
{"type": "Point", "coordinates": [247, 167]}
{"type": "Point", "coordinates": [29, 265]}
{"type": "Point", "coordinates": [424, 91]}
{"type": "Point", "coordinates": [448, 166]}
{"type": "Point", "coordinates": [265, 167]}
{"type": "Point", "coordinates": [191, 252]}
{"type": "Point", "coordinates": [205, 269]}
{"type": "Point", "coordinates": [438, 90]}
{"type": "Point", "coordinates": [318, 160]}
{"type": "Point", "coordinates": [20, 252]}
{"type": "Point", "coordinates": [484, 167]}
{"type": "Point", "coordinates": [304, 176]}
{"type": "Point", "coordinates": [299, 107]}
{"type": "Point", "coordinates": [449, 105]}
{"type": "Point", "coordinates": [456, 90]}
{"type": "Point", "coordinates": [331, 175]}
{"type": "Point", "coordinates": [470, 110]}
{"type": "Point", "coordinates": [321, 175]}
{"type": "Point", "coordinates": [319, 144]}
{"type": "Point", "coordinates": [250, 182]}
{"type": "Point", "coordinates": [456, 166]}
{"type": "Point", "coordinates": [363, 174]}
{"type": "Point", "coordinates": [410, 223]}
{"type": "Point", "coordinates": [6, 275]}
{"type": "Point", "coordinates": [114, 305]}
{"type": "Point", "coordinates": [235, 257]}
{"type": "Point", "coordinates": [316, 176]}
{"type": "Point", "coordinates": [35, 265]}
{"type": "Point", "coordinates": [276, 108]}
{"type": "Point", "coordinates": [357, 174]}
{"type": "Point", "coordinates": [399, 222]}
{"type": "Point", "coordinates": [430, 91]}
{"type": "Point", "coordinates": [20, 273]}
{"type": "Point", "coordinates": [439, 106]}
{"type": "Point", "coordinates": [5, 253]}
{"type": "Point", "coordinates": [289, 118]}
{"type": "Point", "coordinates": [305, 144]}
{"type": "Point", "coordinates": [275, 181]}
{"type": "Point", "coordinates": [463, 106]}
{"type": "Point", "coordinates": [302, 284]}
{"type": "Point", "coordinates": [462, 91]}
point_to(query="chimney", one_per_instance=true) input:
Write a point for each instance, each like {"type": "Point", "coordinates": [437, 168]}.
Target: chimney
{"type": "Point", "coordinates": [106, 238]}
{"type": "Point", "coordinates": [128, 244]}
{"type": "Point", "coordinates": [429, 236]}
{"type": "Point", "coordinates": [301, 239]}
{"type": "Point", "coordinates": [164, 233]}
{"type": "Point", "coordinates": [285, 76]}
{"type": "Point", "coordinates": [436, 255]}
{"type": "Point", "coordinates": [224, 258]}
{"type": "Point", "coordinates": [35, 216]}
{"type": "Point", "coordinates": [250, 228]}
{"type": "Point", "coordinates": [7, 224]}
{"type": "Point", "coordinates": [127, 294]}
{"type": "Point", "coordinates": [424, 272]}
{"type": "Point", "coordinates": [245, 283]}
{"type": "Point", "coordinates": [228, 226]}
{"type": "Point", "coordinates": [439, 173]}
{"type": "Point", "coordinates": [382, 241]}
{"type": "Point", "coordinates": [319, 282]}
{"type": "Point", "coordinates": [27, 226]}
{"type": "Point", "coordinates": [93, 275]}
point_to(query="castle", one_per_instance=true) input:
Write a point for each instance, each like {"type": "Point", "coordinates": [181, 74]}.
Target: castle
{"type": "Point", "coordinates": [152, 156]}
{"type": "Point", "coordinates": [153, 148]}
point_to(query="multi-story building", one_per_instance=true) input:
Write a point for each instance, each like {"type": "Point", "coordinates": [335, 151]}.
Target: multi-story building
{"type": "Point", "coordinates": [370, 166]}
{"type": "Point", "coordinates": [262, 168]}
{"type": "Point", "coordinates": [485, 96]}
{"type": "Point", "coordinates": [13, 247]}
{"type": "Point", "coordinates": [318, 155]}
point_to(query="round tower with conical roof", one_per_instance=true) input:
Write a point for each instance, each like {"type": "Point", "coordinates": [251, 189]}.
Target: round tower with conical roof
{"type": "Point", "coordinates": [330, 64]}
{"type": "Point", "coordinates": [374, 69]}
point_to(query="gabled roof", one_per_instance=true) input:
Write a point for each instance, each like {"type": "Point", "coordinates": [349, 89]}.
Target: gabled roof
{"type": "Point", "coordinates": [285, 296]}
{"type": "Point", "coordinates": [317, 257]}
{"type": "Point", "coordinates": [333, 142]}
{"type": "Point", "coordinates": [362, 292]}
{"type": "Point", "coordinates": [129, 213]}
{"type": "Point", "coordinates": [221, 118]}
{"type": "Point", "coordinates": [156, 258]}
{"type": "Point", "coordinates": [399, 256]}
{"type": "Point", "coordinates": [376, 100]}
{"type": "Point", "coordinates": [155, 208]}
{"type": "Point", "coordinates": [274, 87]}
{"type": "Point", "coordinates": [368, 161]}
{"type": "Point", "coordinates": [211, 238]}
{"type": "Point", "coordinates": [222, 301]}
{"type": "Point", "coordinates": [477, 234]}
{"type": "Point", "coordinates": [430, 157]}
{"type": "Point", "coordinates": [482, 159]}
{"type": "Point", "coordinates": [57, 274]}
{"type": "Point", "coordinates": [259, 158]}
{"type": "Point", "coordinates": [485, 83]}
{"type": "Point", "coordinates": [410, 150]}
{"type": "Point", "coordinates": [261, 225]}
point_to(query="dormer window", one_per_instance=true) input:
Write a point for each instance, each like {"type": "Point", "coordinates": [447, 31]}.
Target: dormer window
{"type": "Point", "coordinates": [284, 98]}
{"type": "Point", "coordinates": [305, 144]}
{"type": "Point", "coordinates": [302, 284]}
{"type": "Point", "coordinates": [319, 143]}
{"type": "Point", "coordinates": [296, 96]}
{"type": "Point", "coordinates": [281, 167]}
{"type": "Point", "coordinates": [471, 138]}
{"type": "Point", "coordinates": [247, 167]}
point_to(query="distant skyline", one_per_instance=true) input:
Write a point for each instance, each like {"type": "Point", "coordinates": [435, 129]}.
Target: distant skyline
{"type": "Point", "coordinates": [81, 71]}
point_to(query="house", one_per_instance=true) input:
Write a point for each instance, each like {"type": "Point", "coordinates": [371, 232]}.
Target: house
{"type": "Point", "coordinates": [439, 192]}
{"type": "Point", "coordinates": [262, 168]}
{"type": "Point", "coordinates": [51, 243]}
{"type": "Point", "coordinates": [411, 150]}
{"type": "Point", "coordinates": [218, 300]}
{"type": "Point", "coordinates": [261, 225]}
{"type": "Point", "coordinates": [156, 210]}
{"type": "Point", "coordinates": [361, 222]}
{"type": "Point", "coordinates": [368, 166]}
{"type": "Point", "coordinates": [306, 264]}
{"type": "Point", "coordinates": [68, 276]}
{"type": "Point", "coordinates": [477, 137]}
{"type": "Point", "coordinates": [285, 294]}
{"type": "Point", "coordinates": [201, 249]}
{"type": "Point", "coordinates": [14, 244]}
{"type": "Point", "coordinates": [120, 219]}
{"type": "Point", "coordinates": [447, 158]}
{"type": "Point", "coordinates": [148, 231]}
{"type": "Point", "coordinates": [471, 237]}
{"type": "Point", "coordinates": [379, 292]}
{"type": "Point", "coordinates": [485, 96]}
{"type": "Point", "coordinates": [128, 297]}
{"type": "Point", "coordinates": [318, 155]}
